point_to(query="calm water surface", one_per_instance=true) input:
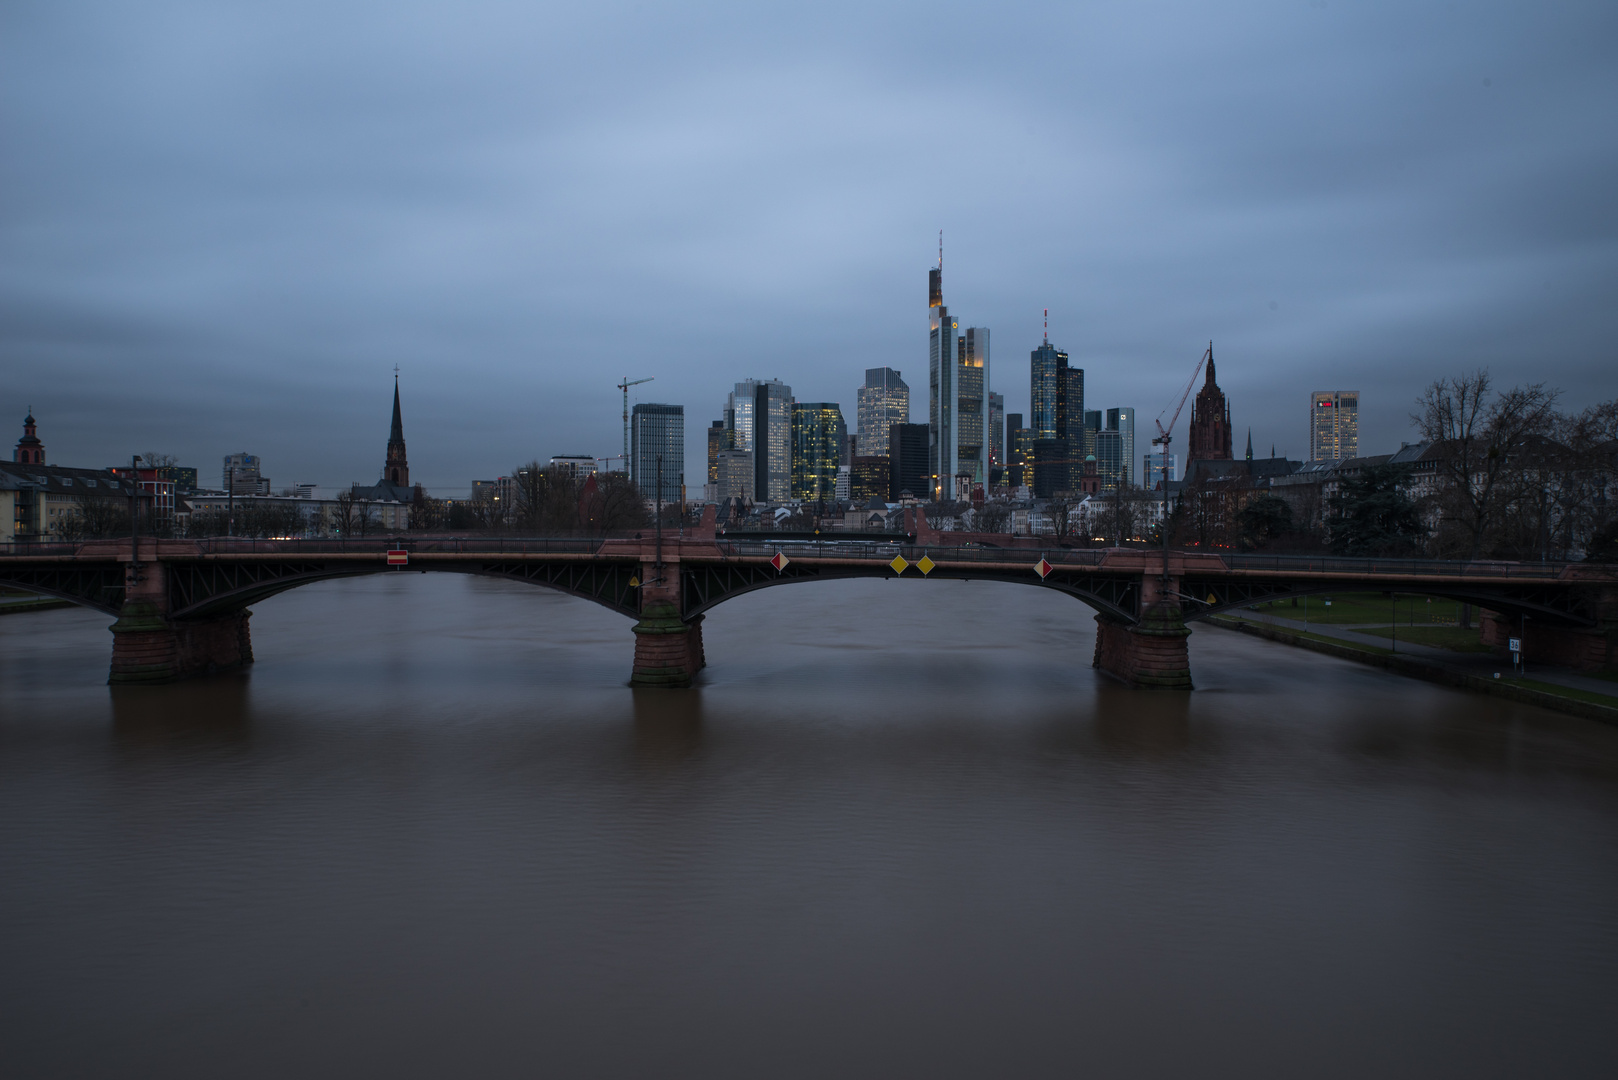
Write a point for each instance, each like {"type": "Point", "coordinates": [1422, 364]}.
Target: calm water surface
{"type": "Point", "coordinates": [901, 829]}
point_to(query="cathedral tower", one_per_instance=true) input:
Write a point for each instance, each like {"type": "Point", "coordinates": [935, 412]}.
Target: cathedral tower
{"type": "Point", "coordinates": [1210, 420]}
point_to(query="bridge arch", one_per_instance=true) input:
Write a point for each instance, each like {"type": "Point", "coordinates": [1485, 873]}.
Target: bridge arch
{"type": "Point", "coordinates": [706, 586]}
{"type": "Point", "coordinates": [204, 590]}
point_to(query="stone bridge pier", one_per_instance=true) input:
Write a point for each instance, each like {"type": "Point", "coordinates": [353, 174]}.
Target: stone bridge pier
{"type": "Point", "coordinates": [1583, 648]}
{"type": "Point", "coordinates": [149, 646]}
{"type": "Point", "coordinates": [668, 648]}
{"type": "Point", "coordinates": [1150, 654]}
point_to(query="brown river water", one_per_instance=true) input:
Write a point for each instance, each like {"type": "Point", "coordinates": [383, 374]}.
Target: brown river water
{"type": "Point", "coordinates": [900, 829]}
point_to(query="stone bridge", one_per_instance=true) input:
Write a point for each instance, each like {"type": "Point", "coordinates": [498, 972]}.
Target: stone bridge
{"type": "Point", "coordinates": [181, 606]}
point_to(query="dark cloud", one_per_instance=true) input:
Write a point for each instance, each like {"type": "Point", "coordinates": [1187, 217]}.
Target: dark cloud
{"type": "Point", "coordinates": [220, 229]}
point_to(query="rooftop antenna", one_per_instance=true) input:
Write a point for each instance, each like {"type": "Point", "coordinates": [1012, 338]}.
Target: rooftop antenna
{"type": "Point", "coordinates": [940, 250]}
{"type": "Point", "coordinates": [1047, 326]}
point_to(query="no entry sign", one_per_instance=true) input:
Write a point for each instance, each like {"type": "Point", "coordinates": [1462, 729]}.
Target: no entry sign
{"type": "Point", "coordinates": [398, 558]}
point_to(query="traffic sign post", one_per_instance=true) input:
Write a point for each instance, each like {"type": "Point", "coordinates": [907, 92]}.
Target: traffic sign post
{"type": "Point", "coordinates": [1043, 569]}
{"type": "Point", "coordinates": [925, 565]}
{"type": "Point", "coordinates": [899, 564]}
{"type": "Point", "coordinates": [398, 557]}
{"type": "Point", "coordinates": [779, 562]}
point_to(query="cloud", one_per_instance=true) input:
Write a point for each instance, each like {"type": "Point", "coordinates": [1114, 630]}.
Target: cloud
{"type": "Point", "coordinates": [222, 228]}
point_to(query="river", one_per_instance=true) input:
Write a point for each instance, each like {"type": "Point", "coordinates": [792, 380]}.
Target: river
{"type": "Point", "coordinates": [900, 829]}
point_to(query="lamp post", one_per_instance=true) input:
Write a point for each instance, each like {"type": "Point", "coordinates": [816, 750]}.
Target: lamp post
{"type": "Point", "coordinates": [230, 500]}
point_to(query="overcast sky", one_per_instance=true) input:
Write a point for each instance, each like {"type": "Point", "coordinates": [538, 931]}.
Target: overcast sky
{"type": "Point", "coordinates": [221, 226]}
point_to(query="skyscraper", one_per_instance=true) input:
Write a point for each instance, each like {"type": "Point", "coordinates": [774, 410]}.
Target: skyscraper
{"type": "Point", "coordinates": [1056, 431]}
{"type": "Point", "coordinates": [1152, 468]}
{"type": "Point", "coordinates": [997, 430]}
{"type": "Point", "coordinates": [1047, 386]}
{"type": "Point", "coordinates": [1334, 425]}
{"type": "Point", "coordinates": [957, 397]}
{"type": "Point", "coordinates": [760, 412]}
{"type": "Point", "coordinates": [1019, 451]}
{"type": "Point", "coordinates": [657, 431]}
{"type": "Point", "coordinates": [719, 436]}
{"type": "Point", "coordinates": [1210, 420]}
{"type": "Point", "coordinates": [883, 401]}
{"type": "Point", "coordinates": [907, 457]}
{"type": "Point", "coordinates": [818, 433]}
{"type": "Point", "coordinates": [1122, 420]}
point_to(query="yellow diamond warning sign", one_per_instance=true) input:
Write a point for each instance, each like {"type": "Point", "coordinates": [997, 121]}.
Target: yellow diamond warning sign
{"type": "Point", "coordinates": [1042, 568]}
{"type": "Point", "coordinates": [899, 565]}
{"type": "Point", "coordinates": [925, 565]}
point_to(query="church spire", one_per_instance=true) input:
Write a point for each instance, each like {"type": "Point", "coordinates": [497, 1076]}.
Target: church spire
{"type": "Point", "coordinates": [1249, 444]}
{"type": "Point", "coordinates": [396, 467]}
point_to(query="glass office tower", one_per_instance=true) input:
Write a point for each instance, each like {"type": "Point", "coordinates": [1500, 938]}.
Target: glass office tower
{"type": "Point", "coordinates": [760, 412]}
{"type": "Point", "coordinates": [657, 431]}
{"type": "Point", "coordinates": [818, 432]}
{"type": "Point", "coordinates": [883, 401]}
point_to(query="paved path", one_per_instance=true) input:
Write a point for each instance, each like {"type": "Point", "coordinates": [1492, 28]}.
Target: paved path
{"type": "Point", "coordinates": [1484, 664]}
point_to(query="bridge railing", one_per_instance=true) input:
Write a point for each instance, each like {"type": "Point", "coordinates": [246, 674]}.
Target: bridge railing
{"type": "Point", "coordinates": [882, 551]}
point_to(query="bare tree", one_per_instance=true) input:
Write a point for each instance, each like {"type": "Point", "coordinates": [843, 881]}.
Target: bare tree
{"type": "Point", "coordinates": [1483, 438]}
{"type": "Point", "coordinates": [94, 518]}
{"type": "Point", "coordinates": [610, 502]}
{"type": "Point", "coordinates": [1060, 508]}
{"type": "Point", "coordinates": [426, 512]}
{"type": "Point", "coordinates": [993, 517]}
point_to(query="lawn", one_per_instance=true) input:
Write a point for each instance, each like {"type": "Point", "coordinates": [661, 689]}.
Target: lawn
{"type": "Point", "coordinates": [1374, 608]}
{"type": "Point", "coordinates": [1442, 637]}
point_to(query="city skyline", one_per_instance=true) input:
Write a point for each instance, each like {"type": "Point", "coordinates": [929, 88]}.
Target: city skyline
{"type": "Point", "coordinates": [196, 261]}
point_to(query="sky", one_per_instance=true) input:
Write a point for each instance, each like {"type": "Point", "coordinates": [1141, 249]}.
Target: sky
{"type": "Point", "coordinates": [222, 226]}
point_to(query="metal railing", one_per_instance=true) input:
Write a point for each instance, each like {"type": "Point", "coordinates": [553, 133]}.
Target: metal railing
{"type": "Point", "coordinates": [880, 548]}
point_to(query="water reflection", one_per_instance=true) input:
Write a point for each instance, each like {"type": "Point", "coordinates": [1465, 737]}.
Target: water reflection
{"type": "Point", "coordinates": [668, 725]}
{"type": "Point", "coordinates": [881, 837]}
{"type": "Point", "coordinates": [215, 710]}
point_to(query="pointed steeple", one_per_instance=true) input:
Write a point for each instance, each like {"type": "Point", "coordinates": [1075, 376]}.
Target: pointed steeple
{"type": "Point", "coordinates": [1209, 381]}
{"type": "Point", "coordinates": [397, 434]}
{"type": "Point", "coordinates": [1249, 444]}
{"type": "Point", "coordinates": [395, 467]}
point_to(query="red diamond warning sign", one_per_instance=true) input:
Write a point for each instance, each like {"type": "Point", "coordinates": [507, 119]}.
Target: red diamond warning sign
{"type": "Point", "coordinates": [1042, 568]}
{"type": "Point", "coordinates": [779, 562]}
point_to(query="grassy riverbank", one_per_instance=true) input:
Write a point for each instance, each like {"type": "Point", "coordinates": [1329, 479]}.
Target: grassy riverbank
{"type": "Point", "coordinates": [1563, 699]}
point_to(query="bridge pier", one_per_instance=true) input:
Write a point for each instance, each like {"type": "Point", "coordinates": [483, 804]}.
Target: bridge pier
{"type": "Point", "coordinates": [668, 650]}
{"type": "Point", "coordinates": [1582, 649]}
{"type": "Point", "coordinates": [1150, 654]}
{"type": "Point", "coordinates": [150, 647]}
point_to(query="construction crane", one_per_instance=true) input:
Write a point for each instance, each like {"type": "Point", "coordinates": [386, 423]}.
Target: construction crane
{"type": "Point", "coordinates": [624, 386]}
{"type": "Point", "coordinates": [1163, 438]}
